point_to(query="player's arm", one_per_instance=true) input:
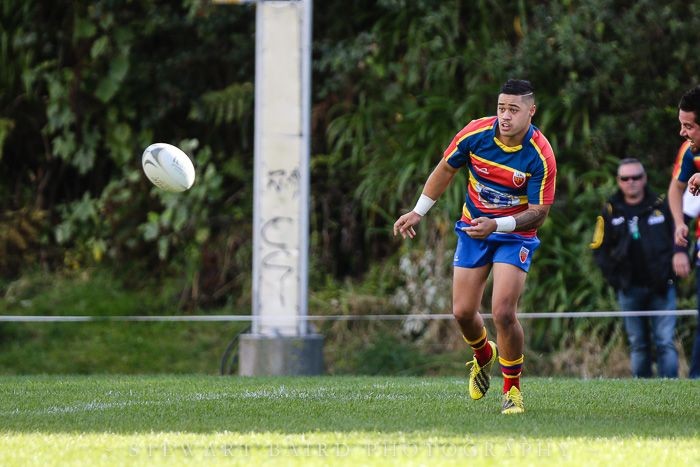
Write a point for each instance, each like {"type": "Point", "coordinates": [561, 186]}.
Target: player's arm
{"type": "Point", "coordinates": [439, 180]}
{"type": "Point", "coordinates": [540, 191]}
{"type": "Point", "coordinates": [675, 204]}
{"type": "Point", "coordinates": [532, 218]}
{"type": "Point", "coordinates": [435, 186]}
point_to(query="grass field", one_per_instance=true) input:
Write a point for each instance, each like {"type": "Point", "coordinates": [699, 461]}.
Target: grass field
{"type": "Point", "coordinates": [186, 420]}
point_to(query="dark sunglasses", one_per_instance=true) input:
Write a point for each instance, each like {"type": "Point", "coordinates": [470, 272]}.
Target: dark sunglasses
{"type": "Point", "coordinates": [625, 178]}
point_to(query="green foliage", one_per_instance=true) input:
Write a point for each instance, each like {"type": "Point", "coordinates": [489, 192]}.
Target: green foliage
{"type": "Point", "coordinates": [94, 292]}
{"type": "Point", "coordinates": [230, 105]}
{"type": "Point", "coordinates": [114, 348]}
{"type": "Point", "coordinates": [388, 355]}
{"type": "Point", "coordinates": [20, 236]}
{"type": "Point", "coordinates": [600, 97]}
{"type": "Point", "coordinates": [84, 87]}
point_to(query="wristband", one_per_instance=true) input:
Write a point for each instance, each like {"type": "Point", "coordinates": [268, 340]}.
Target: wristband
{"type": "Point", "coordinates": [505, 224]}
{"type": "Point", "coordinates": [423, 205]}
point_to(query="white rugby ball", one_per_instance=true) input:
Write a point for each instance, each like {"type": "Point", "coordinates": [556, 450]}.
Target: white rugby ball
{"type": "Point", "coordinates": [168, 167]}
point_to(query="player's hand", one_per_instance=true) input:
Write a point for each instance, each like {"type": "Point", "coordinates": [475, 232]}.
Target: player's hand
{"type": "Point", "coordinates": [404, 225]}
{"type": "Point", "coordinates": [694, 184]}
{"type": "Point", "coordinates": [481, 227]}
{"type": "Point", "coordinates": [681, 264]}
{"type": "Point", "coordinates": [680, 236]}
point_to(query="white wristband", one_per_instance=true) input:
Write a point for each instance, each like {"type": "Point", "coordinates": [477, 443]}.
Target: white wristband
{"type": "Point", "coordinates": [423, 205]}
{"type": "Point", "coordinates": [505, 224]}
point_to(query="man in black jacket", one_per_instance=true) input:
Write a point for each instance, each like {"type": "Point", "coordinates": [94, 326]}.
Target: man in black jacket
{"type": "Point", "coordinates": [634, 247]}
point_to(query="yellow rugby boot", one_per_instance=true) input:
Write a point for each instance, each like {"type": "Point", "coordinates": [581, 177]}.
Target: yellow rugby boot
{"type": "Point", "coordinates": [479, 378]}
{"type": "Point", "coordinates": [513, 402]}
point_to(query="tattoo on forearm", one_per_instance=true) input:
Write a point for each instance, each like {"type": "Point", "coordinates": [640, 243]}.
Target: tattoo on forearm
{"type": "Point", "coordinates": [530, 219]}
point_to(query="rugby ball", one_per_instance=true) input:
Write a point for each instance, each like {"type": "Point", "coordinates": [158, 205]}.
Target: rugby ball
{"type": "Point", "coordinates": [168, 167]}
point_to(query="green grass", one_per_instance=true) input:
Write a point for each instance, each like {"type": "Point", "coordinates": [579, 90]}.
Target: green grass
{"type": "Point", "coordinates": [176, 420]}
{"type": "Point", "coordinates": [105, 347]}
{"type": "Point", "coordinates": [115, 348]}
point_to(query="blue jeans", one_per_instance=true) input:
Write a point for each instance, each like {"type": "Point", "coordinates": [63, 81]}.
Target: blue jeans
{"type": "Point", "coordinates": [642, 331]}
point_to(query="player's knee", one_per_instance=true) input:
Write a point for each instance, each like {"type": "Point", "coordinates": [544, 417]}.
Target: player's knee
{"type": "Point", "coordinates": [463, 314]}
{"type": "Point", "coordinates": [504, 317]}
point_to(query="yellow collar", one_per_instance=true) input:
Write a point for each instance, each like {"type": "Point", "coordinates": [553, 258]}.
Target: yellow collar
{"type": "Point", "coordinates": [507, 148]}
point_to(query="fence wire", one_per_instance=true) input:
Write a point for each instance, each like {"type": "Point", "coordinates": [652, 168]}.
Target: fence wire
{"type": "Point", "coordinates": [314, 318]}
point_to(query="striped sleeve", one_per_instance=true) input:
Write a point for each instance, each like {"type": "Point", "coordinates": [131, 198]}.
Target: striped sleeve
{"type": "Point", "coordinates": [542, 183]}
{"type": "Point", "coordinates": [685, 165]}
{"type": "Point", "coordinates": [457, 153]}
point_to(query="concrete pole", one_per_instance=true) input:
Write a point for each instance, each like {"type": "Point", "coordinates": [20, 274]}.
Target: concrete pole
{"type": "Point", "coordinates": [280, 342]}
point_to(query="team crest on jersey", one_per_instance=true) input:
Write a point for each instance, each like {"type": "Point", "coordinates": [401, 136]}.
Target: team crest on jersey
{"type": "Point", "coordinates": [518, 178]}
{"type": "Point", "coordinates": [523, 254]}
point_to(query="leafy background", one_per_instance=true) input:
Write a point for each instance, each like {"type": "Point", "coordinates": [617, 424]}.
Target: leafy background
{"type": "Point", "coordinates": [85, 87]}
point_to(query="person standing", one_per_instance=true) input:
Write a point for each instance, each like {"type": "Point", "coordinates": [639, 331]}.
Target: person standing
{"type": "Point", "coordinates": [691, 210]}
{"type": "Point", "coordinates": [511, 182]}
{"type": "Point", "coordinates": [633, 246]}
{"type": "Point", "coordinates": [685, 174]}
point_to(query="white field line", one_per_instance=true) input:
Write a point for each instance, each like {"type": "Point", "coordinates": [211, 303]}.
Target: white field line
{"type": "Point", "coordinates": [376, 393]}
{"type": "Point", "coordinates": [95, 405]}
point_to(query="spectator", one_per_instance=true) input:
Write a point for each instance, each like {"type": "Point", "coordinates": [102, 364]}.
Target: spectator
{"type": "Point", "coordinates": [633, 245]}
{"type": "Point", "coordinates": [691, 210]}
{"type": "Point", "coordinates": [686, 173]}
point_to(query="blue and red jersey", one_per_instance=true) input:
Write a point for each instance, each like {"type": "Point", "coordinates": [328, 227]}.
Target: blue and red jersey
{"type": "Point", "coordinates": [503, 180]}
{"type": "Point", "coordinates": [687, 163]}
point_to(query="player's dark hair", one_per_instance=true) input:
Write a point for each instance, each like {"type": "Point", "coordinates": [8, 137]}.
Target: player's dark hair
{"type": "Point", "coordinates": [517, 87]}
{"type": "Point", "coordinates": [690, 102]}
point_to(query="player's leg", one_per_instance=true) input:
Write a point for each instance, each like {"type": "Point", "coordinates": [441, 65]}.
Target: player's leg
{"type": "Point", "coordinates": [467, 290]}
{"type": "Point", "coordinates": [694, 371]}
{"type": "Point", "coordinates": [472, 265]}
{"type": "Point", "coordinates": [508, 285]}
{"type": "Point", "coordinates": [468, 286]}
{"type": "Point", "coordinates": [511, 262]}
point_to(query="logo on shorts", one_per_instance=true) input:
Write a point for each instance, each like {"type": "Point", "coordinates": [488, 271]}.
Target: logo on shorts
{"type": "Point", "coordinates": [518, 178]}
{"type": "Point", "coordinates": [523, 254]}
